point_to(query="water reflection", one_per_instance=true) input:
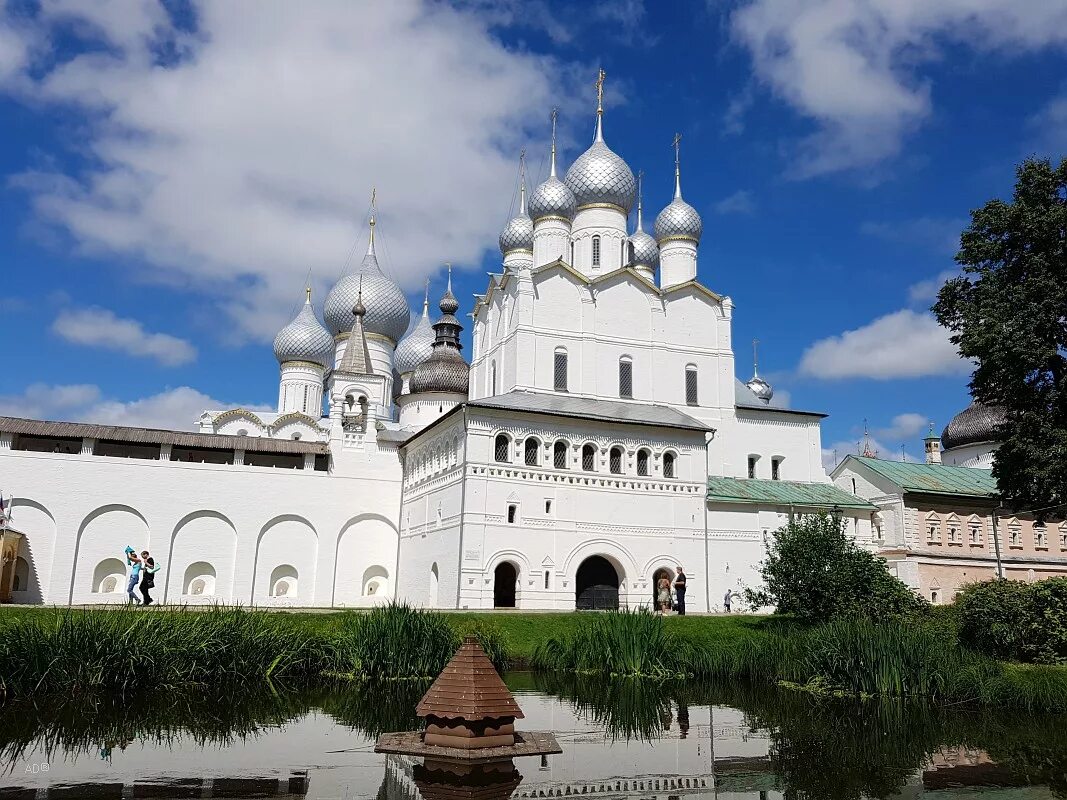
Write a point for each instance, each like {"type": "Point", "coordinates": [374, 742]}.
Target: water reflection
{"type": "Point", "coordinates": [624, 739]}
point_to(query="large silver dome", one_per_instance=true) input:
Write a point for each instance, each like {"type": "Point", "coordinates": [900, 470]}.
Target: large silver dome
{"type": "Point", "coordinates": [976, 423]}
{"type": "Point", "coordinates": [417, 344]}
{"type": "Point", "coordinates": [599, 176]}
{"type": "Point", "coordinates": [304, 339]}
{"type": "Point", "coordinates": [553, 198]}
{"type": "Point", "coordinates": [679, 220]}
{"type": "Point", "coordinates": [387, 308]}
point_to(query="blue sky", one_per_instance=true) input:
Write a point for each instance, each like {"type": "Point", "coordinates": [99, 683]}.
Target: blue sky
{"type": "Point", "coordinates": [170, 174]}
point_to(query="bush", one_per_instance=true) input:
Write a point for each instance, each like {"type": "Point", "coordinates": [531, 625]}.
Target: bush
{"type": "Point", "coordinates": [1015, 620]}
{"type": "Point", "coordinates": [815, 572]}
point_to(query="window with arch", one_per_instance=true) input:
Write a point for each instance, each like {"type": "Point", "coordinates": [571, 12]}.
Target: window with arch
{"type": "Point", "coordinates": [1063, 536]}
{"type": "Point", "coordinates": [596, 251]}
{"type": "Point", "coordinates": [559, 455]}
{"type": "Point", "coordinates": [691, 384]}
{"type": "Point", "coordinates": [492, 379]}
{"type": "Point", "coordinates": [500, 448]}
{"type": "Point", "coordinates": [642, 462]}
{"type": "Point", "coordinates": [626, 377]}
{"type": "Point", "coordinates": [531, 447]}
{"type": "Point", "coordinates": [752, 461]}
{"type": "Point", "coordinates": [1015, 533]}
{"type": "Point", "coordinates": [933, 528]}
{"type": "Point", "coordinates": [668, 465]}
{"type": "Point", "coordinates": [975, 531]}
{"type": "Point", "coordinates": [559, 369]}
{"type": "Point", "coordinates": [589, 457]}
{"type": "Point", "coordinates": [615, 460]}
{"type": "Point", "coordinates": [776, 467]}
{"type": "Point", "coordinates": [1040, 536]}
{"type": "Point", "coordinates": [954, 535]}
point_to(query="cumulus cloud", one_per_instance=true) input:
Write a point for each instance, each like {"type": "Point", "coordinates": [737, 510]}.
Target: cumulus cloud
{"type": "Point", "coordinates": [176, 409]}
{"type": "Point", "coordinates": [904, 344]}
{"type": "Point", "coordinates": [925, 291]}
{"type": "Point", "coordinates": [940, 235]}
{"type": "Point", "coordinates": [239, 154]}
{"type": "Point", "coordinates": [98, 327]}
{"type": "Point", "coordinates": [740, 202]}
{"type": "Point", "coordinates": [904, 426]}
{"type": "Point", "coordinates": [855, 67]}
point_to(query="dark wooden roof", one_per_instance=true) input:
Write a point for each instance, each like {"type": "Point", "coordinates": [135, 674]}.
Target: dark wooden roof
{"type": "Point", "coordinates": [469, 688]}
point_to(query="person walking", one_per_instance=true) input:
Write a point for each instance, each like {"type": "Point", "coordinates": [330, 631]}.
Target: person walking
{"type": "Point", "coordinates": [726, 600]}
{"type": "Point", "coordinates": [663, 594]}
{"type": "Point", "coordinates": [679, 591]}
{"type": "Point", "coordinates": [133, 561]}
{"type": "Point", "coordinates": [148, 579]}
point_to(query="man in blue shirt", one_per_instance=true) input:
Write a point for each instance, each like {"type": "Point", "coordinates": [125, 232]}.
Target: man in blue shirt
{"type": "Point", "coordinates": [133, 561]}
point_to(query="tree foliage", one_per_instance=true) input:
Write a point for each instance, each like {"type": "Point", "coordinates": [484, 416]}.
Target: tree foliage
{"type": "Point", "coordinates": [1008, 312]}
{"type": "Point", "coordinates": [1016, 620]}
{"type": "Point", "coordinates": [815, 572]}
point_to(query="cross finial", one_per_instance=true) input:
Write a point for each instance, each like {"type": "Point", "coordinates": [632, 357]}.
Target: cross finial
{"type": "Point", "coordinates": [755, 358]}
{"type": "Point", "coordinates": [448, 264]}
{"type": "Point", "coordinates": [308, 290]}
{"type": "Point", "coordinates": [552, 168]}
{"type": "Point", "coordinates": [677, 141]}
{"type": "Point", "coordinates": [640, 180]}
{"type": "Point", "coordinates": [600, 91]}
{"type": "Point", "coordinates": [373, 209]}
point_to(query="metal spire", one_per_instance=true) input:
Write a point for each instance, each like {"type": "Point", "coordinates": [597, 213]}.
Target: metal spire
{"type": "Point", "coordinates": [755, 358]}
{"type": "Point", "coordinates": [426, 301]}
{"type": "Point", "coordinates": [640, 179]}
{"type": "Point", "coordinates": [552, 167]}
{"type": "Point", "coordinates": [522, 184]}
{"type": "Point", "coordinates": [308, 290]}
{"type": "Point", "coordinates": [677, 166]}
{"type": "Point", "coordinates": [373, 210]}
{"type": "Point", "coordinates": [599, 137]}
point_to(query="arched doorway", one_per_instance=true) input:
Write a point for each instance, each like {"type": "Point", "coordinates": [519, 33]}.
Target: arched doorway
{"type": "Point", "coordinates": [504, 579]}
{"type": "Point", "coordinates": [659, 573]}
{"type": "Point", "coordinates": [596, 585]}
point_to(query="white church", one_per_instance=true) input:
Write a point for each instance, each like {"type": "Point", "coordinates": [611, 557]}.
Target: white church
{"type": "Point", "coordinates": [598, 437]}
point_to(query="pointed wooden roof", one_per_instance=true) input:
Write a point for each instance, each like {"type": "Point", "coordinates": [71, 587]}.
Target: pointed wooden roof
{"type": "Point", "coordinates": [469, 688]}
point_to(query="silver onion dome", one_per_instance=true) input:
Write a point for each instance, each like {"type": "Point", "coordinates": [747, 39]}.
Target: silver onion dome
{"type": "Point", "coordinates": [417, 344]}
{"type": "Point", "coordinates": [678, 220]}
{"type": "Point", "coordinates": [518, 233]}
{"type": "Point", "coordinates": [387, 308]}
{"type": "Point", "coordinates": [976, 423]}
{"type": "Point", "coordinates": [445, 370]}
{"type": "Point", "coordinates": [304, 339]}
{"type": "Point", "coordinates": [760, 388]}
{"type": "Point", "coordinates": [553, 198]}
{"type": "Point", "coordinates": [644, 248]}
{"type": "Point", "coordinates": [600, 177]}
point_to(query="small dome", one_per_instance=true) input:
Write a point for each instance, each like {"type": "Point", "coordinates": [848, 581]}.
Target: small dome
{"type": "Point", "coordinates": [760, 388]}
{"type": "Point", "coordinates": [553, 198]}
{"type": "Point", "coordinates": [387, 308]}
{"type": "Point", "coordinates": [678, 220]}
{"type": "Point", "coordinates": [304, 339]}
{"type": "Point", "coordinates": [976, 423]}
{"type": "Point", "coordinates": [445, 370]}
{"type": "Point", "coordinates": [517, 234]}
{"type": "Point", "coordinates": [646, 251]}
{"type": "Point", "coordinates": [416, 345]}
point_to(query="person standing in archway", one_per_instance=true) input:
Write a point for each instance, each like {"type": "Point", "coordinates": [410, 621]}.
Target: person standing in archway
{"type": "Point", "coordinates": [679, 591]}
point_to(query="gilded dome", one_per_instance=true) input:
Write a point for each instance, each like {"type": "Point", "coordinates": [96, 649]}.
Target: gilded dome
{"type": "Point", "coordinates": [304, 339]}
{"type": "Point", "coordinates": [976, 423]}
{"type": "Point", "coordinates": [387, 308]}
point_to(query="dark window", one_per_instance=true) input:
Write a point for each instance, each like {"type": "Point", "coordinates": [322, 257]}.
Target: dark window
{"type": "Point", "coordinates": [104, 447]}
{"type": "Point", "coordinates": [776, 468]}
{"type": "Point", "coordinates": [282, 460]}
{"type": "Point", "coordinates": [532, 446]}
{"type": "Point", "coordinates": [201, 455]}
{"type": "Point", "coordinates": [322, 463]}
{"type": "Point", "coordinates": [596, 251]}
{"type": "Point", "coordinates": [691, 386]}
{"type": "Point", "coordinates": [546, 578]}
{"type": "Point", "coordinates": [47, 444]}
{"type": "Point", "coordinates": [668, 465]}
{"type": "Point", "coordinates": [513, 513]}
{"type": "Point", "coordinates": [642, 462]}
{"type": "Point", "coordinates": [615, 460]}
{"type": "Point", "coordinates": [559, 371]}
{"type": "Point", "coordinates": [500, 450]}
{"type": "Point", "coordinates": [548, 506]}
{"type": "Point", "coordinates": [626, 378]}
{"type": "Point", "coordinates": [752, 466]}
{"type": "Point", "coordinates": [559, 455]}
{"type": "Point", "coordinates": [589, 457]}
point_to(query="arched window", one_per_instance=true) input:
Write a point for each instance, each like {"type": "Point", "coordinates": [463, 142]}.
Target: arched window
{"type": "Point", "coordinates": [691, 385]}
{"type": "Point", "coordinates": [668, 465]}
{"type": "Point", "coordinates": [500, 448]}
{"type": "Point", "coordinates": [596, 251]}
{"type": "Point", "coordinates": [615, 460]}
{"type": "Point", "coordinates": [589, 457]}
{"type": "Point", "coordinates": [559, 369]}
{"type": "Point", "coordinates": [776, 467]}
{"type": "Point", "coordinates": [642, 462]}
{"type": "Point", "coordinates": [933, 528]}
{"type": "Point", "coordinates": [626, 377]}
{"type": "Point", "coordinates": [531, 447]}
{"type": "Point", "coordinates": [559, 455]}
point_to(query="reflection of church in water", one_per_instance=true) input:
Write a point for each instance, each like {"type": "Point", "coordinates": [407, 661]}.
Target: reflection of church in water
{"type": "Point", "coordinates": [598, 437]}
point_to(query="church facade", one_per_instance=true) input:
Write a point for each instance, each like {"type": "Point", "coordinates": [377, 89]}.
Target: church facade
{"type": "Point", "coordinates": [598, 438]}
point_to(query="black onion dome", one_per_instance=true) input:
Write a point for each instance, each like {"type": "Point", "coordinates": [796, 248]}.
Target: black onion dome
{"type": "Point", "coordinates": [976, 423]}
{"type": "Point", "coordinates": [444, 370]}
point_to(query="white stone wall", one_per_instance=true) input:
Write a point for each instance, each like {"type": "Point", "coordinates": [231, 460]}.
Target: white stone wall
{"type": "Point", "coordinates": [796, 439]}
{"type": "Point", "coordinates": [979, 456]}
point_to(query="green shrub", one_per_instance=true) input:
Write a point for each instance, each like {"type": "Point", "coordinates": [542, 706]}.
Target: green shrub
{"type": "Point", "coordinates": [1015, 620]}
{"type": "Point", "coordinates": [815, 572]}
{"type": "Point", "coordinates": [1050, 620]}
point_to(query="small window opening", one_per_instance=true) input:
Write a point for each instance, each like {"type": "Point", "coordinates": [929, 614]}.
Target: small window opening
{"type": "Point", "coordinates": [559, 370]}
{"type": "Point", "coordinates": [531, 447]}
{"type": "Point", "coordinates": [559, 455]}
{"type": "Point", "coordinates": [615, 460]}
{"type": "Point", "coordinates": [642, 462]}
{"type": "Point", "coordinates": [501, 449]}
{"type": "Point", "coordinates": [752, 466]}
{"type": "Point", "coordinates": [589, 458]}
{"type": "Point", "coordinates": [513, 513]}
{"type": "Point", "coordinates": [548, 506]}
{"type": "Point", "coordinates": [596, 251]}
{"type": "Point", "coordinates": [668, 465]}
{"type": "Point", "coordinates": [626, 378]}
{"type": "Point", "coordinates": [691, 386]}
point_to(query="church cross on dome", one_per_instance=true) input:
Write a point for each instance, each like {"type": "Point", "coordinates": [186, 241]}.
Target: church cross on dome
{"type": "Point", "coordinates": [677, 165]}
{"type": "Point", "coordinates": [552, 167]}
{"type": "Point", "coordinates": [599, 137]}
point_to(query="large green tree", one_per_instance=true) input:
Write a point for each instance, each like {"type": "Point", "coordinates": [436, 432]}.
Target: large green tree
{"type": "Point", "coordinates": [1008, 312]}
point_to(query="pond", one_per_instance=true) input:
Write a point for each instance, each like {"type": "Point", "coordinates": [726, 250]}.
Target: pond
{"type": "Point", "coordinates": [619, 740]}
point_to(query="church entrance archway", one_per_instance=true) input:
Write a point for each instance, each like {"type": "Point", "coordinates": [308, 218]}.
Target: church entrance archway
{"type": "Point", "coordinates": [596, 585]}
{"type": "Point", "coordinates": [660, 573]}
{"type": "Point", "coordinates": [504, 579]}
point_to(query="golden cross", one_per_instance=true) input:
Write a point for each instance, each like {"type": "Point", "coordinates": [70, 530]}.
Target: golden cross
{"type": "Point", "coordinates": [600, 90]}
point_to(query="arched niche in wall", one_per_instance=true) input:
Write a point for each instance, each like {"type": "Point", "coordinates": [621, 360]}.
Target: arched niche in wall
{"type": "Point", "coordinates": [38, 528]}
{"type": "Point", "coordinates": [291, 541]}
{"type": "Point", "coordinates": [208, 538]}
{"type": "Point", "coordinates": [105, 533]}
{"type": "Point", "coordinates": [366, 542]}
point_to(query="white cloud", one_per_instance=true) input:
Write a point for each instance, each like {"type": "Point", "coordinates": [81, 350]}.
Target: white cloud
{"type": "Point", "coordinates": [98, 327]}
{"type": "Point", "coordinates": [740, 202]}
{"type": "Point", "coordinates": [855, 67]}
{"type": "Point", "coordinates": [925, 292]}
{"type": "Point", "coordinates": [904, 344]}
{"type": "Point", "coordinates": [904, 426]}
{"type": "Point", "coordinates": [176, 409]}
{"type": "Point", "coordinates": [1049, 128]}
{"type": "Point", "coordinates": [939, 235]}
{"type": "Point", "coordinates": [836, 452]}
{"type": "Point", "coordinates": [244, 155]}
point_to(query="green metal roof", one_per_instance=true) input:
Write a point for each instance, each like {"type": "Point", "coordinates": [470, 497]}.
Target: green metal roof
{"type": "Point", "coordinates": [933, 478]}
{"type": "Point", "coordinates": [782, 493]}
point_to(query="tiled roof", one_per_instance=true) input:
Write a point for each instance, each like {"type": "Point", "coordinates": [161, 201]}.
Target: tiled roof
{"type": "Point", "coordinates": [782, 493]}
{"type": "Point", "coordinates": [566, 405]}
{"type": "Point", "coordinates": [469, 688]}
{"type": "Point", "coordinates": [933, 478]}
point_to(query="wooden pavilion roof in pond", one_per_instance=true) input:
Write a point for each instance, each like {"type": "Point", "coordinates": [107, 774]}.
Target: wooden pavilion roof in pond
{"type": "Point", "coordinates": [469, 688]}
